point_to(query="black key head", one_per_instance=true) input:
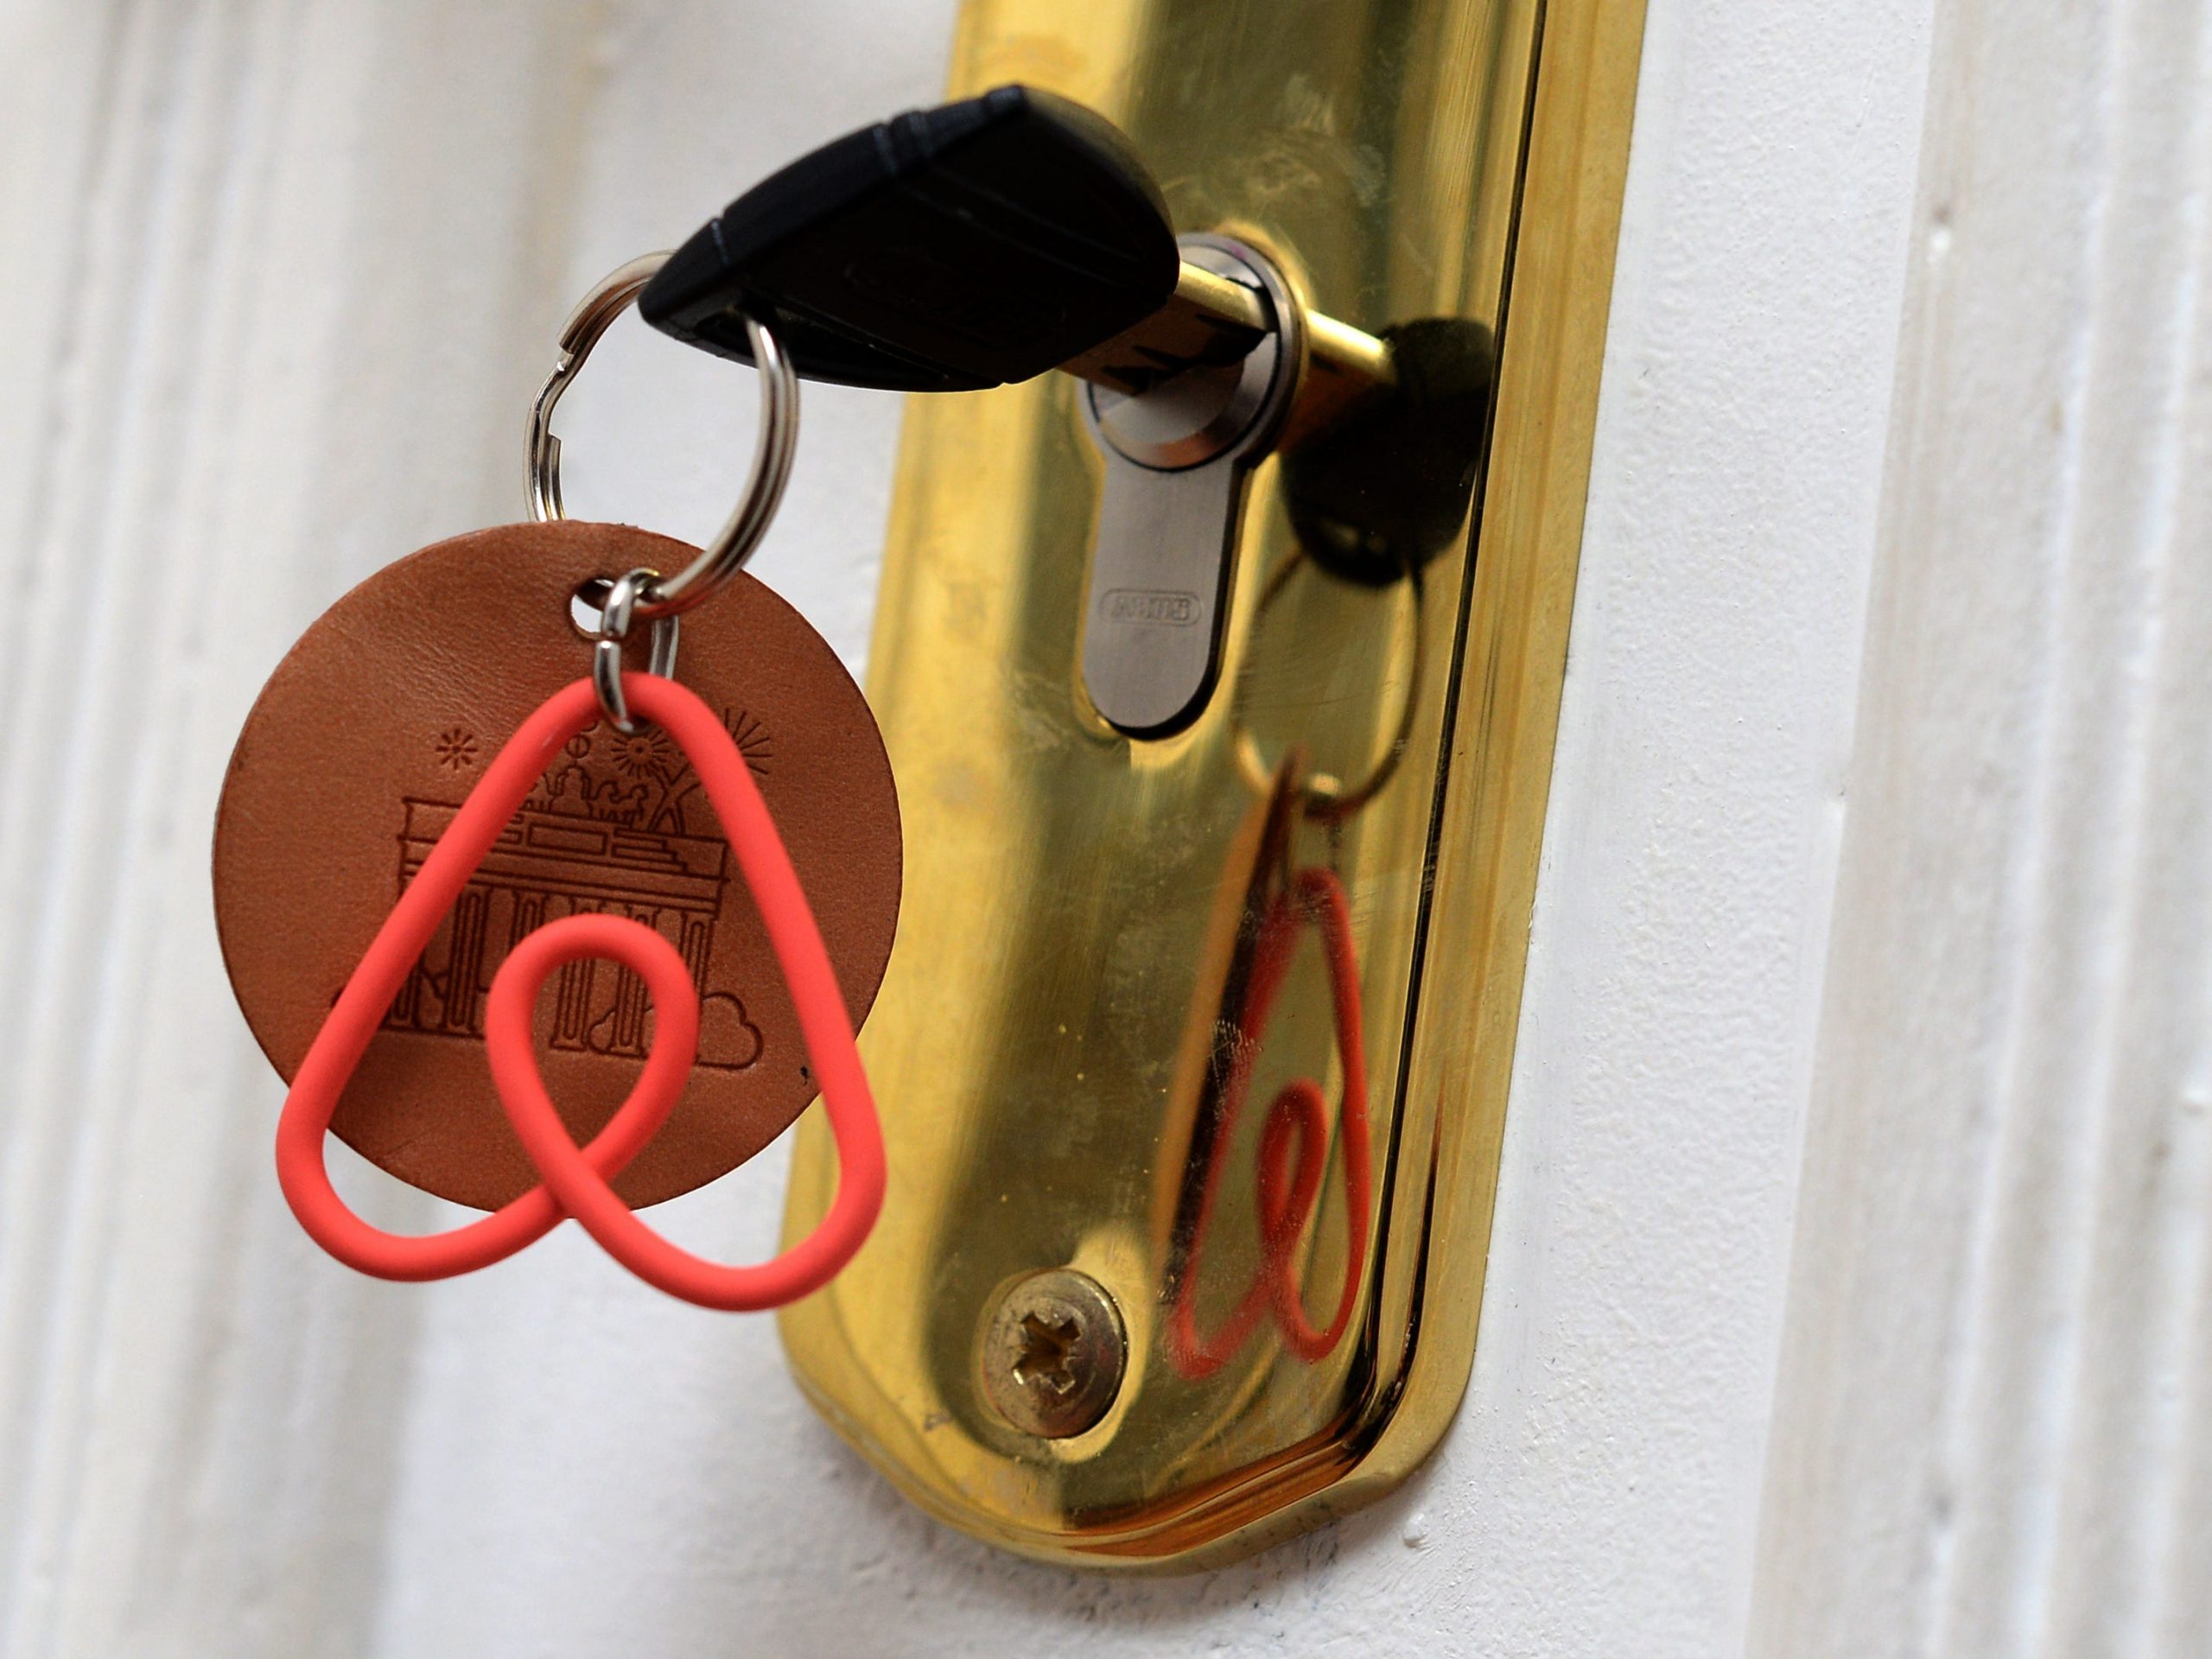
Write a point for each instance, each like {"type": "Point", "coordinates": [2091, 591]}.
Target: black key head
{"type": "Point", "coordinates": [946, 250]}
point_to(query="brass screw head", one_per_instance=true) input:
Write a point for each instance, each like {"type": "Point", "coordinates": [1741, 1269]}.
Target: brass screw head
{"type": "Point", "coordinates": [1053, 1353]}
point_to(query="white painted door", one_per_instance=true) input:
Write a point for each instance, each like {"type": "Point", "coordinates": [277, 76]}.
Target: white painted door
{"type": "Point", "coordinates": [1850, 1292]}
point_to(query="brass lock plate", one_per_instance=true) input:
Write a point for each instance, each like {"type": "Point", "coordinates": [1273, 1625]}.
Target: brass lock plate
{"type": "Point", "coordinates": [1099, 1320]}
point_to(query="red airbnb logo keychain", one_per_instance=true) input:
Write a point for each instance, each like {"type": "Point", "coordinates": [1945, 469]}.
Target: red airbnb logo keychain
{"type": "Point", "coordinates": [493, 937]}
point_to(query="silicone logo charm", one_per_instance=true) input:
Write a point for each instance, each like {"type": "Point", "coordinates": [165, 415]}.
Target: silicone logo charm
{"type": "Point", "coordinates": [576, 1180]}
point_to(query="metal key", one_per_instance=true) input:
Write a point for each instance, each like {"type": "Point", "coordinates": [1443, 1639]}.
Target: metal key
{"type": "Point", "coordinates": [989, 240]}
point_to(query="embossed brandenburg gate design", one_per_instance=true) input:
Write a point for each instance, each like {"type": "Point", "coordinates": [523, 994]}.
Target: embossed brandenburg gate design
{"type": "Point", "coordinates": [609, 828]}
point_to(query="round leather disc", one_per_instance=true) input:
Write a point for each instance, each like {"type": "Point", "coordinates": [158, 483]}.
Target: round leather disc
{"type": "Point", "coordinates": [370, 733]}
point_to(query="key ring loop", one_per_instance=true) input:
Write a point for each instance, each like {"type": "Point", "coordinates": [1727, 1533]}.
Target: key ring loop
{"type": "Point", "coordinates": [618, 614]}
{"type": "Point", "coordinates": [1326, 799]}
{"type": "Point", "coordinates": [773, 449]}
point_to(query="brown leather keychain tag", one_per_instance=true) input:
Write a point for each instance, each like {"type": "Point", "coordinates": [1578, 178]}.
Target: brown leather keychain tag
{"type": "Point", "coordinates": [369, 736]}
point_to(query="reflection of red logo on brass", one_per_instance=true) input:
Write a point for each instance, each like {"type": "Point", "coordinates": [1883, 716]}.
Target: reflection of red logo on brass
{"type": "Point", "coordinates": [1292, 1149]}
{"type": "Point", "coordinates": [605, 832]}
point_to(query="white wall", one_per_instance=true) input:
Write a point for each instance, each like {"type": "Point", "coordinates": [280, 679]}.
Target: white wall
{"type": "Point", "coordinates": [1850, 1290]}
{"type": "Point", "coordinates": [1994, 1423]}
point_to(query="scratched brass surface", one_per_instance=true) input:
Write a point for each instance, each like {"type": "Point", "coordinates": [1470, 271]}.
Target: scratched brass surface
{"type": "Point", "coordinates": [1048, 1045]}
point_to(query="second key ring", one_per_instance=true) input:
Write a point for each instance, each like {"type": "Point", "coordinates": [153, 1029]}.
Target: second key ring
{"type": "Point", "coordinates": [1327, 799]}
{"type": "Point", "coordinates": [725, 552]}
